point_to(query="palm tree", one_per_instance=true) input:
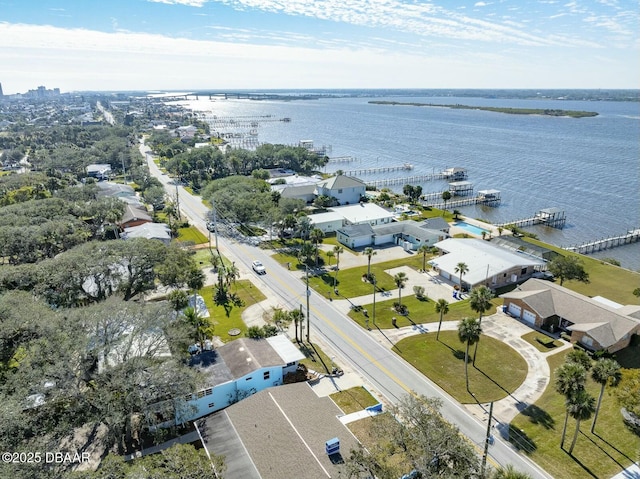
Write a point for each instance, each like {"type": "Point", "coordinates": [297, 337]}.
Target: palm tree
{"type": "Point", "coordinates": [570, 379]}
{"type": "Point", "coordinates": [233, 273]}
{"type": "Point", "coordinates": [509, 472]}
{"type": "Point", "coordinates": [304, 227]}
{"type": "Point", "coordinates": [330, 254]}
{"type": "Point", "coordinates": [369, 252]}
{"type": "Point", "coordinates": [606, 371]}
{"type": "Point", "coordinates": [469, 331]}
{"type": "Point", "coordinates": [500, 230]}
{"type": "Point", "coordinates": [424, 249]}
{"type": "Point", "coordinates": [580, 406]}
{"type": "Point", "coordinates": [442, 307]}
{"type": "Point", "coordinates": [288, 222]}
{"type": "Point", "coordinates": [338, 250]}
{"type": "Point", "coordinates": [193, 318]}
{"type": "Point", "coordinates": [461, 269]}
{"type": "Point", "coordinates": [446, 196]}
{"type": "Point", "coordinates": [480, 302]}
{"type": "Point", "coordinates": [400, 279]}
{"type": "Point", "coordinates": [305, 252]}
{"type": "Point", "coordinates": [297, 316]}
{"type": "Point", "coordinates": [316, 236]}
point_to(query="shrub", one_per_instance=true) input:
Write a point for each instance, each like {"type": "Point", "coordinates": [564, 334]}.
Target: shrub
{"type": "Point", "coordinates": [255, 332]}
{"type": "Point", "coordinates": [419, 291]}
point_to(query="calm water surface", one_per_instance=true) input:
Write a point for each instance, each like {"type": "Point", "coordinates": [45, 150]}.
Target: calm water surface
{"type": "Point", "coordinates": [590, 167]}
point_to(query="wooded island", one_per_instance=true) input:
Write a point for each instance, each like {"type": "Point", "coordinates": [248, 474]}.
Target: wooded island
{"type": "Point", "coordinates": [512, 111]}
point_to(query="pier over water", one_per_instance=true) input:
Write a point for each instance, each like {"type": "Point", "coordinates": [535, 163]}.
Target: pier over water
{"type": "Point", "coordinates": [631, 236]}
{"type": "Point", "coordinates": [553, 217]}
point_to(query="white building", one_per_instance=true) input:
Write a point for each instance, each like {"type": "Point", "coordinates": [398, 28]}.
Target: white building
{"type": "Point", "coordinates": [364, 213]}
{"type": "Point", "coordinates": [346, 189]}
{"type": "Point", "coordinates": [487, 264]}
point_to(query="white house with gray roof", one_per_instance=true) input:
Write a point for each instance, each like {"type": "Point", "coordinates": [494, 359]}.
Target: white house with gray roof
{"type": "Point", "coordinates": [346, 189]}
{"type": "Point", "coordinates": [595, 323]}
{"type": "Point", "coordinates": [487, 264]}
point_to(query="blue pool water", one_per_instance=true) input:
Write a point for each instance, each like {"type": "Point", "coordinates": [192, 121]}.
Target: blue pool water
{"type": "Point", "coordinates": [470, 228]}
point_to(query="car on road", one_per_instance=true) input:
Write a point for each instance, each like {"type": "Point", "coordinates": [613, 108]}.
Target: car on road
{"type": "Point", "coordinates": [258, 267]}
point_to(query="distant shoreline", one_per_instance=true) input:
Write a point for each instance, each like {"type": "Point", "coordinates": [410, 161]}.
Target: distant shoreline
{"type": "Point", "coordinates": [510, 111]}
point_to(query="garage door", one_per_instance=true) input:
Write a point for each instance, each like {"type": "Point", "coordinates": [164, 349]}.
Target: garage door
{"type": "Point", "coordinates": [514, 310]}
{"type": "Point", "coordinates": [528, 317]}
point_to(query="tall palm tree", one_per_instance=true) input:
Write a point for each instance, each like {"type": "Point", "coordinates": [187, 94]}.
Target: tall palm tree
{"type": "Point", "coordinates": [338, 250]}
{"type": "Point", "coordinates": [606, 371]}
{"type": "Point", "coordinates": [316, 237]}
{"type": "Point", "coordinates": [469, 331]}
{"type": "Point", "coordinates": [570, 379]}
{"type": "Point", "coordinates": [297, 316]}
{"type": "Point", "coordinates": [369, 252]}
{"type": "Point", "coordinates": [580, 407]}
{"type": "Point", "coordinates": [330, 255]}
{"type": "Point", "coordinates": [424, 249]}
{"type": "Point", "coordinates": [446, 196]}
{"type": "Point", "coordinates": [480, 302]}
{"type": "Point", "coordinates": [288, 222]}
{"type": "Point", "coordinates": [233, 273]}
{"type": "Point", "coordinates": [461, 269]}
{"type": "Point", "coordinates": [400, 279]}
{"type": "Point", "coordinates": [442, 307]}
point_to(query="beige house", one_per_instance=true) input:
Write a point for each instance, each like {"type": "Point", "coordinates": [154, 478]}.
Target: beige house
{"type": "Point", "coordinates": [595, 323]}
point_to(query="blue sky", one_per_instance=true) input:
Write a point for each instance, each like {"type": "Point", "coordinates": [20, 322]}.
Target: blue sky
{"type": "Point", "coordinates": [221, 44]}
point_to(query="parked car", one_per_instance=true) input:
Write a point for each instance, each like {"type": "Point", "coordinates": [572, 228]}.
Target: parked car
{"type": "Point", "coordinates": [258, 267]}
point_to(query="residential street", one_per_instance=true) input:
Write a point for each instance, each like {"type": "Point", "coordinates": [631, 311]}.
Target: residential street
{"type": "Point", "coordinates": [354, 347]}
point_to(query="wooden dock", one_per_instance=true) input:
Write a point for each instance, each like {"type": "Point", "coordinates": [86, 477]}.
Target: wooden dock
{"type": "Point", "coordinates": [631, 236]}
{"type": "Point", "coordinates": [341, 159]}
{"type": "Point", "coordinates": [553, 217]}
{"type": "Point", "coordinates": [484, 197]}
{"type": "Point", "coordinates": [448, 174]}
{"type": "Point", "coordinates": [384, 169]}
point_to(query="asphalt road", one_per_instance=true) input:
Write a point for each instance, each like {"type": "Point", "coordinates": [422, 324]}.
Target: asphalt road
{"type": "Point", "coordinates": [389, 374]}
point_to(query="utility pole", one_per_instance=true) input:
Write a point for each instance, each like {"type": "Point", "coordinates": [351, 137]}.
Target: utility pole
{"type": "Point", "coordinates": [487, 441]}
{"type": "Point", "coordinates": [178, 203]}
{"type": "Point", "coordinates": [373, 281]}
{"type": "Point", "coordinates": [308, 294]}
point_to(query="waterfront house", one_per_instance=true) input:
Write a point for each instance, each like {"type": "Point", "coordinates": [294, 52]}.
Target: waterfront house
{"type": "Point", "coordinates": [595, 323]}
{"type": "Point", "coordinates": [346, 189]}
{"type": "Point", "coordinates": [328, 222]}
{"type": "Point", "coordinates": [355, 236]}
{"type": "Point", "coordinates": [408, 234]}
{"type": "Point", "coordinates": [487, 264]}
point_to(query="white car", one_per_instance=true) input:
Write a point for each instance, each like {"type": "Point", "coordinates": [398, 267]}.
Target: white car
{"type": "Point", "coordinates": [258, 267]}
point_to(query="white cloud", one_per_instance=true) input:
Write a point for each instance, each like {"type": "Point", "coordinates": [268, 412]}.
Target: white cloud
{"type": "Point", "coordinates": [189, 3]}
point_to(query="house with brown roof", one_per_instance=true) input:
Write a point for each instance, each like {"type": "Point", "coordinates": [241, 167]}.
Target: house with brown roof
{"type": "Point", "coordinates": [595, 323]}
{"type": "Point", "coordinates": [134, 216]}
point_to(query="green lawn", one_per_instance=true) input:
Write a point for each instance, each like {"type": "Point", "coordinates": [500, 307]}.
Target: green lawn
{"type": "Point", "coordinates": [315, 358]}
{"type": "Point", "coordinates": [192, 234]}
{"type": "Point", "coordinates": [420, 312]}
{"type": "Point", "coordinates": [223, 322]}
{"type": "Point", "coordinates": [499, 369]}
{"type": "Point", "coordinates": [353, 399]}
{"type": "Point", "coordinates": [350, 283]}
{"type": "Point", "coordinates": [538, 430]}
{"type": "Point", "coordinates": [531, 338]}
{"type": "Point", "coordinates": [612, 282]}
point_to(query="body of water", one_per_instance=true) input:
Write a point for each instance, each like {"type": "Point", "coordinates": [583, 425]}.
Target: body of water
{"type": "Point", "coordinates": [589, 167]}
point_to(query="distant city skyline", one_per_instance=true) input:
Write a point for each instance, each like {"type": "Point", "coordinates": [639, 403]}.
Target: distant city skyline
{"type": "Point", "coordinates": [269, 44]}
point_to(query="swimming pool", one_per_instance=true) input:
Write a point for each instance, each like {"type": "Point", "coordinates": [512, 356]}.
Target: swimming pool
{"type": "Point", "coordinates": [471, 228]}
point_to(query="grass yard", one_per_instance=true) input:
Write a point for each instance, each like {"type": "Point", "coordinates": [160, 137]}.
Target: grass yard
{"type": "Point", "coordinates": [192, 234]}
{"type": "Point", "coordinates": [315, 358]}
{"type": "Point", "coordinates": [606, 280]}
{"type": "Point", "coordinates": [349, 281]}
{"type": "Point", "coordinates": [420, 311]}
{"type": "Point", "coordinates": [531, 338]}
{"type": "Point", "coordinates": [354, 399]}
{"type": "Point", "coordinates": [223, 322]}
{"type": "Point", "coordinates": [538, 430]}
{"type": "Point", "coordinates": [499, 369]}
